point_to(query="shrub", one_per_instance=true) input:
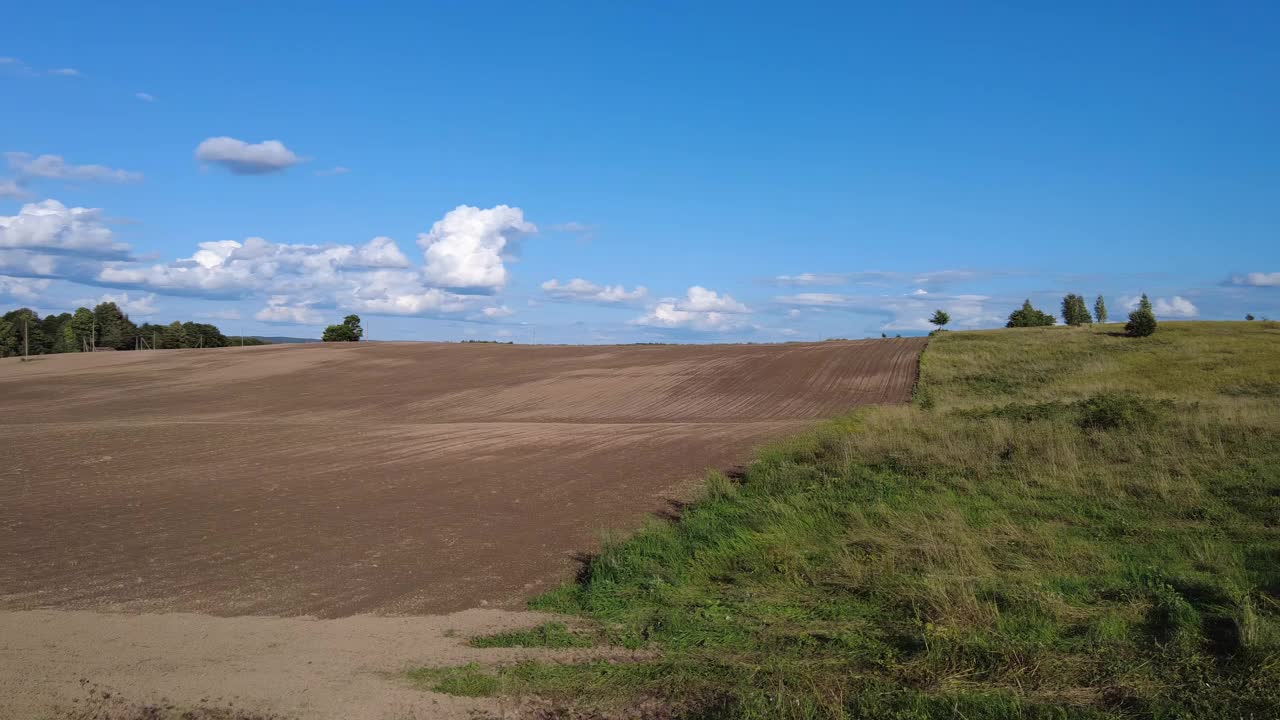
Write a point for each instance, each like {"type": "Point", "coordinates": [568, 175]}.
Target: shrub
{"type": "Point", "coordinates": [1027, 316]}
{"type": "Point", "coordinates": [1110, 410]}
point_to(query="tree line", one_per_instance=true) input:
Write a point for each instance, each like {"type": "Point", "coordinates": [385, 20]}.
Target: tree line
{"type": "Point", "coordinates": [1142, 321]}
{"type": "Point", "coordinates": [106, 326]}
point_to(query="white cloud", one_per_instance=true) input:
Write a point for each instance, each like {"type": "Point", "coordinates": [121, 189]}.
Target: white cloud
{"type": "Point", "coordinates": [919, 292]}
{"type": "Point", "coordinates": [936, 278]}
{"type": "Point", "coordinates": [465, 249]}
{"type": "Point", "coordinates": [53, 167]}
{"type": "Point", "coordinates": [243, 158]}
{"type": "Point", "coordinates": [51, 226]}
{"type": "Point", "coordinates": [279, 311]}
{"type": "Point", "coordinates": [145, 97]}
{"type": "Point", "coordinates": [497, 311]}
{"type": "Point", "coordinates": [701, 309]}
{"type": "Point", "coordinates": [335, 170]}
{"type": "Point", "coordinates": [580, 290]}
{"type": "Point", "coordinates": [223, 268]}
{"type": "Point", "coordinates": [906, 312]}
{"type": "Point", "coordinates": [1257, 279]}
{"type": "Point", "coordinates": [811, 279]}
{"type": "Point", "coordinates": [702, 300]}
{"type": "Point", "coordinates": [1176, 306]}
{"type": "Point", "coordinates": [137, 306]}
{"type": "Point", "coordinates": [65, 72]}
{"type": "Point", "coordinates": [11, 189]}
{"type": "Point", "coordinates": [22, 289]}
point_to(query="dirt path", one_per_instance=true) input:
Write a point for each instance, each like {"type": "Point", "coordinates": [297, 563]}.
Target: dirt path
{"type": "Point", "coordinates": [346, 669]}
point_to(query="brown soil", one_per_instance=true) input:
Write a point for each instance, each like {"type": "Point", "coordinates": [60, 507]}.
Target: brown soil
{"type": "Point", "coordinates": [399, 478]}
{"type": "Point", "coordinates": [339, 481]}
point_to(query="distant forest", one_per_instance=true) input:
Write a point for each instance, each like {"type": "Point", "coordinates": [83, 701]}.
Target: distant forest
{"type": "Point", "coordinates": [103, 327]}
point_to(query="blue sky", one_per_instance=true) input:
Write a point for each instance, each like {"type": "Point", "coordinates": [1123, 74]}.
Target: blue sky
{"type": "Point", "coordinates": [705, 172]}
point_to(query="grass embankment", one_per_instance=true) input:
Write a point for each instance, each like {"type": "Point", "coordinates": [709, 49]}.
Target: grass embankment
{"type": "Point", "coordinates": [1064, 524]}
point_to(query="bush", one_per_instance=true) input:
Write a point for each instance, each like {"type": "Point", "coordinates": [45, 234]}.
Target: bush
{"type": "Point", "coordinates": [1027, 316]}
{"type": "Point", "coordinates": [1141, 323]}
{"type": "Point", "coordinates": [1110, 410]}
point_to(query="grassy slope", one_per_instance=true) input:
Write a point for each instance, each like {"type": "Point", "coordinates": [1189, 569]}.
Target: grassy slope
{"type": "Point", "coordinates": [1021, 542]}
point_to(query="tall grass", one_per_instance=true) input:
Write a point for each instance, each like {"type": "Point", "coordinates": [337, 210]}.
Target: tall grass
{"type": "Point", "coordinates": [1064, 524]}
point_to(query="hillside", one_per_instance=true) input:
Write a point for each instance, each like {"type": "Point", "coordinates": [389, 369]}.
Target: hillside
{"type": "Point", "coordinates": [1064, 524]}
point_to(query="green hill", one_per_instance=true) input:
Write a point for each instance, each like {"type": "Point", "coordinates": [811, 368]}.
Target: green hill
{"type": "Point", "coordinates": [1064, 524]}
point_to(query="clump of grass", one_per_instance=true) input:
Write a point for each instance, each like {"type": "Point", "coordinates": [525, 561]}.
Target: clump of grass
{"type": "Point", "coordinates": [1065, 525]}
{"type": "Point", "coordinates": [471, 680]}
{"type": "Point", "coordinates": [547, 635]}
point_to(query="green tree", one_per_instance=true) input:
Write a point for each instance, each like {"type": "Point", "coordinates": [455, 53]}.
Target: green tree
{"type": "Point", "coordinates": [1100, 310]}
{"type": "Point", "coordinates": [1142, 322]}
{"type": "Point", "coordinates": [77, 332]}
{"type": "Point", "coordinates": [30, 320]}
{"type": "Point", "coordinates": [940, 318]}
{"type": "Point", "coordinates": [114, 328]}
{"type": "Point", "coordinates": [348, 331]}
{"type": "Point", "coordinates": [1074, 312]}
{"type": "Point", "coordinates": [1249, 317]}
{"type": "Point", "coordinates": [51, 331]}
{"type": "Point", "coordinates": [1028, 316]}
{"type": "Point", "coordinates": [9, 338]}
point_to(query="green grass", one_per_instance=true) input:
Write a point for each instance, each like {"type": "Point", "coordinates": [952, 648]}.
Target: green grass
{"type": "Point", "coordinates": [548, 635]}
{"type": "Point", "coordinates": [1064, 524]}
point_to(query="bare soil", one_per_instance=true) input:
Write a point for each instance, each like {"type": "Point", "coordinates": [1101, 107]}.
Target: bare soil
{"type": "Point", "coordinates": [401, 478]}
{"type": "Point", "coordinates": [150, 501]}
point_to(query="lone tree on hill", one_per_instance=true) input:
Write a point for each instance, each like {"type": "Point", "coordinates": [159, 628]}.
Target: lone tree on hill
{"type": "Point", "coordinates": [1074, 313]}
{"type": "Point", "coordinates": [1249, 317]}
{"type": "Point", "coordinates": [940, 318]}
{"type": "Point", "coordinates": [1142, 322]}
{"type": "Point", "coordinates": [348, 331]}
{"type": "Point", "coordinates": [1100, 310]}
{"type": "Point", "coordinates": [1027, 316]}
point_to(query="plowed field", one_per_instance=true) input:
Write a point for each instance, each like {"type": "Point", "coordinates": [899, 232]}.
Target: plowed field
{"type": "Point", "coordinates": [332, 480]}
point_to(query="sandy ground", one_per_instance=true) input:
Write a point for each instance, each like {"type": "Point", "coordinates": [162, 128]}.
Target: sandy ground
{"type": "Point", "coordinates": [340, 481]}
{"type": "Point", "coordinates": [345, 669]}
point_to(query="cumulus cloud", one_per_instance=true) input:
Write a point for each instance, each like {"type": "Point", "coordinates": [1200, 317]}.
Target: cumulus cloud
{"type": "Point", "coordinates": [136, 306]}
{"type": "Point", "coordinates": [906, 312]}
{"type": "Point", "coordinates": [23, 289]}
{"type": "Point", "coordinates": [228, 268]}
{"type": "Point", "coordinates": [701, 300]}
{"type": "Point", "coordinates": [579, 290]}
{"type": "Point", "coordinates": [53, 167]}
{"type": "Point", "coordinates": [50, 241]}
{"type": "Point", "coordinates": [243, 158]}
{"type": "Point", "coordinates": [466, 248]}
{"type": "Point", "coordinates": [1257, 279]}
{"type": "Point", "coordinates": [701, 309]}
{"type": "Point", "coordinates": [50, 226]}
{"type": "Point", "coordinates": [279, 311]}
{"type": "Point", "coordinates": [1174, 307]}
